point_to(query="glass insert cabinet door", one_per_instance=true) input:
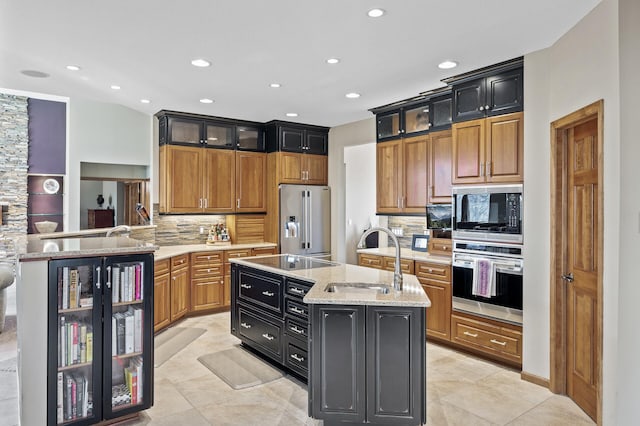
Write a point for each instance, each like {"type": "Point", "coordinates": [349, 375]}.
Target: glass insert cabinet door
{"type": "Point", "coordinates": [388, 125]}
{"type": "Point", "coordinates": [416, 119]}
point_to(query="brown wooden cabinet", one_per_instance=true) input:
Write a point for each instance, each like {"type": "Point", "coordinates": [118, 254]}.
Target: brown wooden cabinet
{"type": "Point", "coordinates": [181, 182]}
{"type": "Point", "coordinates": [440, 246]}
{"type": "Point", "coordinates": [179, 286]}
{"type": "Point", "coordinates": [219, 174]}
{"type": "Point", "coordinates": [370, 260]}
{"type": "Point", "coordinates": [406, 265]}
{"type": "Point", "coordinates": [251, 183]}
{"type": "Point", "coordinates": [100, 218]}
{"type": "Point", "coordinates": [207, 280]}
{"type": "Point", "coordinates": [489, 150]}
{"type": "Point", "coordinates": [440, 147]}
{"type": "Point", "coordinates": [435, 279]}
{"type": "Point", "coordinates": [161, 295]}
{"type": "Point", "coordinates": [302, 169]}
{"type": "Point", "coordinates": [401, 172]}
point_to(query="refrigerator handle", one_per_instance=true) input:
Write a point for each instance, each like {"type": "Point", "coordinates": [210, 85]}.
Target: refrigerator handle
{"type": "Point", "coordinates": [98, 270]}
{"type": "Point", "coordinates": [303, 238]}
{"type": "Point", "coordinates": [309, 216]}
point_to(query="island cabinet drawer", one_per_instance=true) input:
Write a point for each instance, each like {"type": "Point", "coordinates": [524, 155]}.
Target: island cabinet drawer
{"type": "Point", "coordinates": [372, 261]}
{"type": "Point", "coordinates": [298, 288]}
{"type": "Point", "coordinates": [263, 290]}
{"type": "Point", "coordinates": [263, 251]}
{"type": "Point", "coordinates": [207, 272]}
{"type": "Point", "coordinates": [434, 271]}
{"type": "Point", "coordinates": [296, 357]}
{"type": "Point", "coordinates": [406, 265]}
{"type": "Point", "coordinates": [267, 335]}
{"type": "Point", "coordinates": [296, 308]}
{"type": "Point", "coordinates": [161, 267]}
{"type": "Point", "coordinates": [235, 254]}
{"type": "Point", "coordinates": [206, 258]}
{"type": "Point", "coordinates": [179, 262]}
{"type": "Point", "coordinates": [501, 341]}
{"type": "Point", "coordinates": [298, 329]}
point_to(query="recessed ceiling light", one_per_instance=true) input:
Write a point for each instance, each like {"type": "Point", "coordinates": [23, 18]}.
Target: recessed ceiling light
{"type": "Point", "coordinates": [333, 61]}
{"type": "Point", "coordinates": [274, 85]}
{"type": "Point", "coordinates": [375, 13]}
{"type": "Point", "coordinates": [446, 65]}
{"type": "Point", "coordinates": [34, 73]}
{"type": "Point", "coordinates": [73, 68]}
{"type": "Point", "coordinates": [292, 114]}
{"type": "Point", "coordinates": [145, 101]}
{"type": "Point", "coordinates": [206, 101]}
{"type": "Point", "coordinates": [115, 87]}
{"type": "Point", "coordinates": [352, 95]}
{"type": "Point", "coordinates": [200, 63]}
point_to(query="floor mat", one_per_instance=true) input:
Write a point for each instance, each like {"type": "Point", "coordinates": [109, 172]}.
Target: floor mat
{"type": "Point", "coordinates": [239, 368]}
{"type": "Point", "coordinates": [172, 341]}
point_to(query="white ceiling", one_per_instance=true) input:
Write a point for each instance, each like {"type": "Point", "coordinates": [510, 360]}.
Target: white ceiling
{"type": "Point", "coordinates": [146, 47]}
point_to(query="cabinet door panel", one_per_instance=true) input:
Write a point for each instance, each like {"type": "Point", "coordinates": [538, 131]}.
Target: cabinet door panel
{"type": "Point", "coordinates": [179, 293]}
{"type": "Point", "coordinates": [316, 168]}
{"type": "Point", "coordinates": [291, 140]}
{"type": "Point", "coordinates": [207, 293]}
{"type": "Point", "coordinates": [185, 131]}
{"type": "Point", "coordinates": [219, 180]}
{"type": "Point", "coordinates": [441, 113]}
{"type": "Point", "coordinates": [440, 147]}
{"type": "Point", "coordinates": [504, 93]}
{"type": "Point", "coordinates": [290, 167]}
{"type": "Point", "coordinates": [416, 119]}
{"type": "Point", "coordinates": [388, 125]}
{"type": "Point", "coordinates": [316, 143]}
{"type": "Point", "coordinates": [468, 98]}
{"type": "Point", "coordinates": [388, 176]}
{"type": "Point", "coordinates": [251, 170]}
{"type": "Point", "coordinates": [161, 301]}
{"type": "Point", "coordinates": [415, 175]}
{"type": "Point", "coordinates": [468, 151]}
{"type": "Point", "coordinates": [505, 146]}
{"type": "Point", "coordinates": [439, 314]}
{"type": "Point", "coordinates": [218, 135]}
{"type": "Point", "coordinates": [184, 179]}
{"type": "Point", "coordinates": [250, 138]}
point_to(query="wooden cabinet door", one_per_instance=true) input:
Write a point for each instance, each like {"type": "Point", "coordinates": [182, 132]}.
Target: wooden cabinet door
{"type": "Point", "coordinates": [439, 314]}
{"type": "Point", "coordinates": [219, 181]}
{"type": "Point", "coordinates": [505, 145]}
{"type": "Point", "coordinates": [316, 168]}
{"type": "Point", "coordinates": [251, 171]}
{"type": "Point", "coordinates": [469, 100]}
{"type": "Point", "coordinates": [291, 139]}
{"type": "Point", "coordinates": [468, 152]}
{"type": "Point", "coordinates": [414, 174]}
{"type": "Point", "coordinates": [389, 176]}
{"type": "Point", "coordinates": [504, 93]}
{"type": "Point", "coordinates": [179, 293]}
{"type": "Point", "coordinates": [370, 260]}
{"type": "Point", "coordinates": [290, 167]}
{"type": "Point", "coordinates": [316, 142]}
{"type": "Point", "coordinates": [161, 295]}
{"type": "Point", "coordinates": [207, 292]}
{"type": "Point", "coordinates": [183, 179]}
{"type": "Point", "coordinates": [440, 147]}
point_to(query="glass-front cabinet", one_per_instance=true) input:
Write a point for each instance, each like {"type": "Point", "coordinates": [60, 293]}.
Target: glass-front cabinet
{"type": "Point", "coordinates": [388, 125]}
{"type": "Point", "coordinates": [100, 321]}
{"type": "Point", "coordinates": [191, 131]}
{"type": "Point", "coordinates": [249, 138]}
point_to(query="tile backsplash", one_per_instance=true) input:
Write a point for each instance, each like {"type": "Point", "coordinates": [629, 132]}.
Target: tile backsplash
{"type": "Point", "coordinates": [410, 225]}
{"type": "Point", "coordinates": [183, 229]}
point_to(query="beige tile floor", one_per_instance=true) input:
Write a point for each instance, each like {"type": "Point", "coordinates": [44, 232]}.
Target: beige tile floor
{"type": "Point", "coordinates": [461, 390]}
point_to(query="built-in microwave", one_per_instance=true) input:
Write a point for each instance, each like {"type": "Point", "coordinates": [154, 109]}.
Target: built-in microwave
{"type": "Point", "coordinates": [488, 213]}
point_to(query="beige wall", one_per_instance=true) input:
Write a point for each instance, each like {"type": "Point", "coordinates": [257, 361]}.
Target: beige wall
{"type": "Point", "coordinates": [579, 69]}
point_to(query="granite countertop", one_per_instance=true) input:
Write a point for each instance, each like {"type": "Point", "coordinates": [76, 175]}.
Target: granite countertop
{"type": "Point", "coordinates": [165, 252]}
{"type": "Point", "coordinates": [82, 247]}
{"type": "Point", "coordinates": [408, 254]}
{"type": "Point", "coordinates": [411, 295]}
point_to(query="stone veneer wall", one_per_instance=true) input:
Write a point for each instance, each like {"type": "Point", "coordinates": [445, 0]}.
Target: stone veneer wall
{"type": "Point", "coordinates": [410, 225]}
{"type": "Point", "coordinates": [183, 229]}
{"type": "Point", "coordinates": [14, 145]}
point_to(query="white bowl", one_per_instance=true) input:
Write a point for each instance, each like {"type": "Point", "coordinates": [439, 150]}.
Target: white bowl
{"type": "Point", "coordinates": [46, 226]}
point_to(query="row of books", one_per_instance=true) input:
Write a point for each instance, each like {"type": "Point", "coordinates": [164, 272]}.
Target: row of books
{"type": "Point", "coordinates": [127, 283]}
{"type": "Point", "coordinates": [70, 290]}
{"type": "Point", "coordinates": [75, 342]}
{"type": "Point", "coordinates": [133, 379]}
{"type": "Point", "coordinates": [126, 331]}
{"type": "Point", "coordinates": [73, 397]}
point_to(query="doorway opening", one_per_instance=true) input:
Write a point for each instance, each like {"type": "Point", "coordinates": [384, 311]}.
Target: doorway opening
{"type": "Point", "coordinates": [577, 257]}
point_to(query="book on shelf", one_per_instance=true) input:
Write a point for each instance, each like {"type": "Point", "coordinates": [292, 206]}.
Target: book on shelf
{"type": "Point", "coordinates": [60, 398]}
{"type": "Point", "coordinates": [137, 333]}
{"type": "Point", "coordinates": [67, 398]}
{"type": "Point", "coordinates": [65, 287]}
{"type": "Point", "coordinates": [138, 281]}
{"type": "Point", "coordinates": [114, 336]}
{"type": "Point", "coordinates": [62, 344]}
{"type": "Point", "coordinates": [115, 285]}
{"type": "Point", "coordinates": [83, 343]}
{"type": "Point", "coordinates": [89, 344]}
{"type": "Point", "coordinates": [129, 325]}
{"type": "Point", "coordinates": [73, 288]}
{"type": "Point", "coordinates": [121, 333]}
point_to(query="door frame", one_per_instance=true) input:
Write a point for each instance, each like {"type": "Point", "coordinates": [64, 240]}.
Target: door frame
{"type": "Point", "coordinates": [558, 344]}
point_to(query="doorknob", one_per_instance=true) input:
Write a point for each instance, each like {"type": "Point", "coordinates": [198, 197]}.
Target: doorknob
{"type": "Point", "coordinates": [568, 277]}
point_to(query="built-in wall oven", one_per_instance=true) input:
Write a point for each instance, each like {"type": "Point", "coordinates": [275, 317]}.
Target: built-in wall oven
{"type": "Point", "coordinates": [487, 280]}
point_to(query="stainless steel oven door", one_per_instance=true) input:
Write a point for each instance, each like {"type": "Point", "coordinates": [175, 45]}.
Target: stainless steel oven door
{"type": "Point", "coordinates": [506, 305]}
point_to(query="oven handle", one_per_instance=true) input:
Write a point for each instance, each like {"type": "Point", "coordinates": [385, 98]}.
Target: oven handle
{"type": "Point", "coordinates": [506, 268]}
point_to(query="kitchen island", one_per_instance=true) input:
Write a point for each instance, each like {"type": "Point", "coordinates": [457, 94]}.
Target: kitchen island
{"type": "Point", "coordinates": [360, 343]}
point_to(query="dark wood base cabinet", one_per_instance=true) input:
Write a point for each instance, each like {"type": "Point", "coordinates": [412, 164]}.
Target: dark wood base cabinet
{"type": "Point", "coordinates": [367, 365]}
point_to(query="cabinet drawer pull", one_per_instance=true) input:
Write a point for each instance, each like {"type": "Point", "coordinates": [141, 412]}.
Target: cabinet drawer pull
{"type": "Point", "coordinates": [245, 286]}
{"type": "Point", "coordinates": [245, 325]}
{"type": "Point", "coordinates": [296, 290]}
{"type": "Point", "coordinates": [498, 342]}
{"type": "Point", "coordinates": [297, 310]}
{"type": "Point", "coordinates": [268, 336]}
{"type": "Point", "coordinates": [268, 293]}
{"type": "Point", "coordinates": [297, 357]}
{"type": "Point", "coordinates": [296, 329]}
{"type": "Point", "coordinates": [466, 333]}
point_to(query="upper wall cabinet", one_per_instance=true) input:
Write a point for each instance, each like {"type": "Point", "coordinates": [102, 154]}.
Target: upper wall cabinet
{"type": "Point", "coordinates": [478, 96]}
{"type": "Point", "coordinates": [300, 138]}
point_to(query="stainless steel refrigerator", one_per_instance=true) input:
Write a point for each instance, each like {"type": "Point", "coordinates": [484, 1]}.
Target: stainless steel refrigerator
{"type": "Point", "coordinates": [305, 220]}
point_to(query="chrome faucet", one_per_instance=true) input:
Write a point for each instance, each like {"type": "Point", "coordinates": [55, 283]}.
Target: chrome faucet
{"type": "Point", "coordinates": [397, 274]}
{"type": "Point", "coordinates": [120, 228]}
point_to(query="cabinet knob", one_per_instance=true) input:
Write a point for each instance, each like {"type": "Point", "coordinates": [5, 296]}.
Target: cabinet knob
{"type": "Point", "coordinates": [481, 108]}
{"type": "Point", "coordinates": [486, 107]}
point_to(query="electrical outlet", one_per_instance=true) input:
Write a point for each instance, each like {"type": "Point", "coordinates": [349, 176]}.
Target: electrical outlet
{"type": "Point", "coordinates": [202, 230]}
{"type": "Point", "coordinates": [397, 231]}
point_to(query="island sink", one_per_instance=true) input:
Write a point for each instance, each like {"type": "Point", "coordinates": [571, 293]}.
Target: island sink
{"type": "Point", "coordinates": [359, 288]}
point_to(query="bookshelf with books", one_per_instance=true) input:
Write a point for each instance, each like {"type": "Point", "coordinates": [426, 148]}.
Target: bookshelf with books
{"type": "Point", "coordinates": [101, 321]}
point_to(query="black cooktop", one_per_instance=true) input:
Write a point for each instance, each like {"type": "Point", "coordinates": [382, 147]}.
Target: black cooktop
{"type": "Point", "coordinates": [291, 262]}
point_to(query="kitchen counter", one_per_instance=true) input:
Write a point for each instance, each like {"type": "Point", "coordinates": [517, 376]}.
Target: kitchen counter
{"type": "Point", "coordinates": [411, 295]}
{"type": "Point", "coordinates": [165, 252]}
{"type": "Point", "coordinates": [82, 247]}
{"type": "Point", "coordinates": [407, 254]}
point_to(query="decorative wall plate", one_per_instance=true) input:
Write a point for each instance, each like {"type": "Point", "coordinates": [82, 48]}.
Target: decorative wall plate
{"type": "Point", "coordinates": [51, 186]}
